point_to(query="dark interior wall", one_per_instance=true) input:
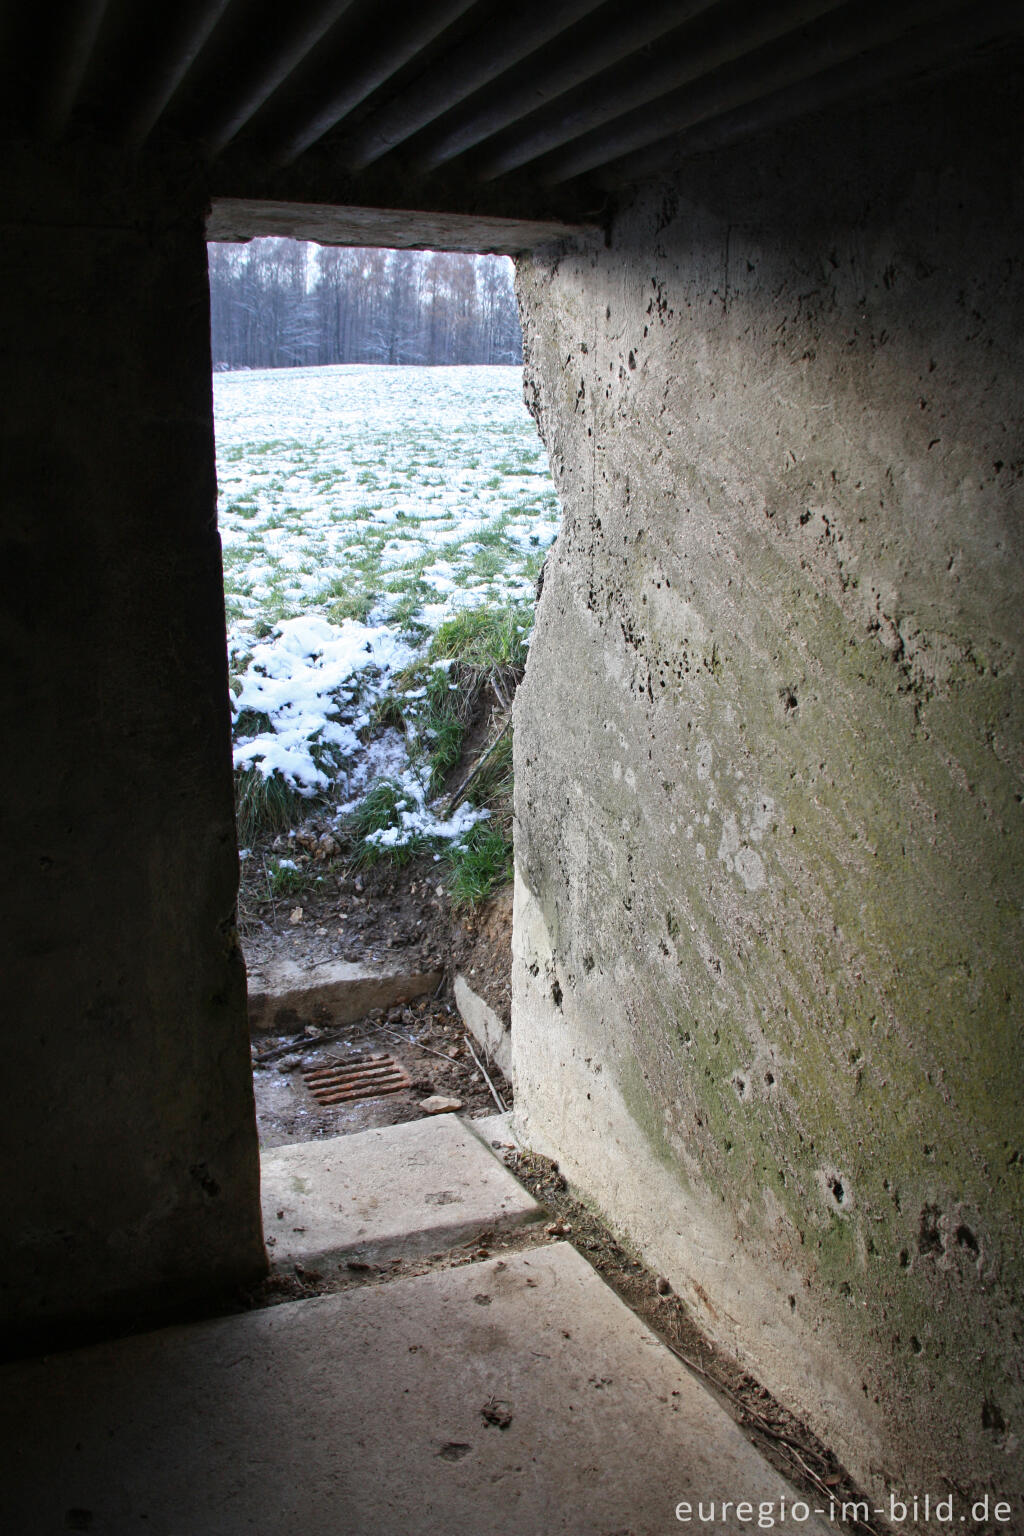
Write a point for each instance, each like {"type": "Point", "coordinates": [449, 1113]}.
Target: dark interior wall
{"type": "Point", "coordinates": [130, 1161]}
{"type": "Point", "coordinates": [770, 854]}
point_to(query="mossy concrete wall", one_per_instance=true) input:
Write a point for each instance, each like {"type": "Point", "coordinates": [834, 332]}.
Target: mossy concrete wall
{"type": "Point", "coordinates": [768, 944]}
{"type": "Point", "coordinates": [130, 1165]}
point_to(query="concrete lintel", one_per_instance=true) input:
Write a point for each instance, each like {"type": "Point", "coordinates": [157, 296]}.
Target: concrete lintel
{"type": "Point", "coordinates": [239, 218]}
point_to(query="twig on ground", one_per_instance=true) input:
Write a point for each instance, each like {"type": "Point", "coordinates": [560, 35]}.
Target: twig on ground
{"type": "Point", "coordinates": [494, 1092]}
{"type": "Point", "coordinates": [761, 1426]}
{"type": "Point", "coordinates": [270, 888]}
{"type": "Point", "coordinates": [744, 1406]}
{"type": "Point", "coordinates": [416, 1044]}
{"type": "Point", "coordinates": [296, 1047]}
{"type": "Point", "coordinates": [460, 793]}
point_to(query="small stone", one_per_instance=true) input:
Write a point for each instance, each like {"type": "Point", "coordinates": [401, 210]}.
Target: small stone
{"type": "Point", "coordinates": [558, 1229]}
{"type": "Point", "coordinates": [321, 933]}
{"type": "Point", "coordinates": [290, 1064]}
{"type": "Point", "coordinates": [497, 1412]}
{"type": "Point", "coordinates": [296, 915]}
{"type": "Point", "coordinates": [440, 1104]}
{"type": "Point", "coordinates": [662, 1286]}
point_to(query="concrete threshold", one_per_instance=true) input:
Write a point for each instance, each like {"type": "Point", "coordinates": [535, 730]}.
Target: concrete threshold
{"type": "Point", "coordinates": [510, 1397]}
{"type": "Point", "coordinates": [398, 1191]}
{"type": "Point", "coordinates": [287, 994]}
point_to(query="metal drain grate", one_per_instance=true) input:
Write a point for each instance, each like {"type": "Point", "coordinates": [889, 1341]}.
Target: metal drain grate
{"type": "Point", "coordinates": [356, 1077]}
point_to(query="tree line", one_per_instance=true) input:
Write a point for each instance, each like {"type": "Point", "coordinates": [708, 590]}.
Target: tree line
{"type": "Point", "coordinates": [288, 303]}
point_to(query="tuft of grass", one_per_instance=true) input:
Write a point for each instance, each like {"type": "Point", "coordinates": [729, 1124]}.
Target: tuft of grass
{"type": "Point", "coordinates": [387, 712]}
{"type": "Point", "coordinates": [445, 718]}
{"type": "Point", "coordinates": [264, 804]}
{"type": "Point", "coordinates": [493, 785]}
{"type": "Point", "coordinates": [351, 605]}
{"type": "Point", "coordinates": [377, 812]}
{"type": "Point", "coordinates": [379, 809]}
{"type": "Point", "coordinates": [480, 865]}
{"type": "Point", "coordinates": [252, 722]}
{"type": "Point", "coordinates": [485, 636]}
{"type": "Point", "coordinates": [285, 880]}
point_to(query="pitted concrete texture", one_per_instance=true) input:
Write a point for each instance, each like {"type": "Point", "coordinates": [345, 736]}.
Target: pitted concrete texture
{"type": "Point", "coordinates": [406, 1189]}
{"type": "Point", "coordinates": [285, 993]}
{"type": "Point", "coordinates": [514, 1397]}
{"type": "Point", "coordinates": [768, 948]}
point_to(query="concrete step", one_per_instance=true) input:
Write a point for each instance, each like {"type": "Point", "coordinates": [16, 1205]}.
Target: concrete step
{"type": "Point", "coordinates": [513, 1397]}
{"type": "Point", "coordinates": [285, 994]}
{"type": "Point", "coordinates": [396, 1191]}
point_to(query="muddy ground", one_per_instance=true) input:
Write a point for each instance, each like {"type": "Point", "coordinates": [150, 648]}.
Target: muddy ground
{"type": "Point", "coordinates": [378, 916]}
{"type": "Point", "coordinates": [427, 1039]}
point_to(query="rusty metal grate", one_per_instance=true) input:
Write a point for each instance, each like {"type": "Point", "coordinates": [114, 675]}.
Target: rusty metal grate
{"type": "Point", "coordinates": [356, 1077]}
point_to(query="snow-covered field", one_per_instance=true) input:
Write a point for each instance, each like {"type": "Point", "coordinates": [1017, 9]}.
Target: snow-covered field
{"type": "Point", "coordinates": [359, 508]}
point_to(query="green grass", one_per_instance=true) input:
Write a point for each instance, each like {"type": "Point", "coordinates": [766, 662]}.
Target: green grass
{"type": "Point", "coordinates": [351, 604]}
{"type": "Point", "coordinates": [493, 786]}
{"type": "Point", "coordinates": [335, 512]}
{"type": "Point", "coordinates": [485, 636]}
{"type": "Point", "coordinates": [379, 811]}
{"type": "Point", "coordinates": [480, 865]}
{"type": "Point", "coordinates": [283, 880]}
{"type": "Point", "coordinates": [264, 806]}
{"type": "Point", "coordinates": [387, 713]}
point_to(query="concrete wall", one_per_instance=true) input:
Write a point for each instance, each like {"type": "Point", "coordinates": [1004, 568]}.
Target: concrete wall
{"type": "Point", "coordinates": [768, 945]}
{"type": "Point", "coordinates": [129, 1146]}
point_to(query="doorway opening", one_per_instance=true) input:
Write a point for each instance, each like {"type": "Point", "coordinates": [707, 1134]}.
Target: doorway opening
{"type": "Point", "coordinates": [385, 508]}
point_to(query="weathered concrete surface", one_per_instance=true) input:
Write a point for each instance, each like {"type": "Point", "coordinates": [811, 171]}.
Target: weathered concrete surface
{"type": "Point", "coordinates": [495, 1131]}
{"type": "Point", "coordinates": [400, 1190]}
{"type": "Point", "coordinates": [364, 1413]}
{"type": "Point", "coordinates": [484, 1025]}
{"type": "Point", "coordinates": [235, 218]}
{"type": "Point", "coordinates": [768, 942]}
{"type": "Point", "coordinates": [286, 994]}
{"type": "Point", "coordinates": [129, 1141]}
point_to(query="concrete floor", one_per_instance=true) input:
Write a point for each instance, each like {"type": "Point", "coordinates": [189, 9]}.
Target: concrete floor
{"type": "Point", "coordinates": [510, 1396]}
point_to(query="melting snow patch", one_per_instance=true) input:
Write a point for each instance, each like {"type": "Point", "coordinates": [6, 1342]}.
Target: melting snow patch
{"type": "Point", "coordinates": [416, 819]}
{"type": "Point", "coordinates": [301, 679]}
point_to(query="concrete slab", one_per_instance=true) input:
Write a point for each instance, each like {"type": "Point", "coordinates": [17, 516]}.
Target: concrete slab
{"type": "Point", "coordinates": [484, 1024]}
{"type": "Point", "coordinates": [515, 1397]}
{"type": "Point", "coordinates": [495, 1131]}
{"type": "Point", "coordinates": [409, 1189]}
{"type": "Point", "coordinates": [286, 995]}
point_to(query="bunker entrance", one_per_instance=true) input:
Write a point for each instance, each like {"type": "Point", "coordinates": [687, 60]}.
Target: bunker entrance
{"type": "Point", "coordinates": [385, 508]}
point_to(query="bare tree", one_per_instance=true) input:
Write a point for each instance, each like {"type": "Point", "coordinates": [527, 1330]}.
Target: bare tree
{"type": "Point", "coordinates": [282, 303]}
